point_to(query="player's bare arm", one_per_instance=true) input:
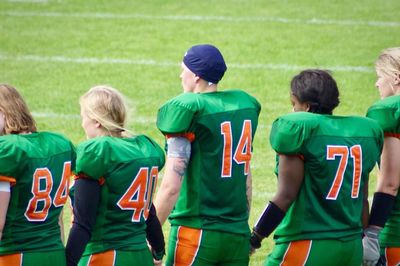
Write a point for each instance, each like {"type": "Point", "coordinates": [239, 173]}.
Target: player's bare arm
{"type": "Point", "coordinates": [4, 201]}
{"type": "Point", "coordinates": [389, 174]}
{"type": "Point", "coordinates": [290, 179]}
{"type": "Point", "coordinates": [175, 168]}
{"type": "Point", "coordinates": [249, 190]}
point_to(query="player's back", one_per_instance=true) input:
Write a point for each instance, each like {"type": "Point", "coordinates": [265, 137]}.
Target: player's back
{"type": "Point", "coordinates": [223, 124]}
{"type": "Point", "coordinates": [127, 169]}
{"type": "Point", "coordinates": [39, 168]}
{"type": "Point", "coordinates": [338, 153]}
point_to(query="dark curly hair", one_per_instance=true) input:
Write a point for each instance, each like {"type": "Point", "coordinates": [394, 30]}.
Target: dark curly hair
{"type": "Point", "coordinates": [318, 89]}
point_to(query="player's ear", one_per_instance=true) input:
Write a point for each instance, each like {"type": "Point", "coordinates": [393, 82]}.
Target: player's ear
{"type": "Point", "coordinates": [397, 79]}
{"type": "Point", "coordinates": [97, 124]}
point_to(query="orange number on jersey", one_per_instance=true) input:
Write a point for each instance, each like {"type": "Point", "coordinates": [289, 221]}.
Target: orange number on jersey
{"type": "Point", "coordinates": [63, 189]}
{"type": "Point", "coordinates": [42, 185]}
{"type": "Point", "coordinates": [243, 150]}
{"type": "Point", "coordinates": [343, 153]}
{"type": "Point", "coordinates": [138, 196]}
{"type": "Point", "coordinates": [41, 188]}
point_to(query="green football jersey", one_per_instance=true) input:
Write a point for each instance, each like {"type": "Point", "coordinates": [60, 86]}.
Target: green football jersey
{"type": "Point", "coordinates": [127, 169]}
{"type": "Point", "coordinates": [387, 113]}
{"type": "Point", "coordinates": [39, 165]}
{"type": "Point", "coordinates": [213, 193]}
{"type": "Point", "coordinates": [339, 153]}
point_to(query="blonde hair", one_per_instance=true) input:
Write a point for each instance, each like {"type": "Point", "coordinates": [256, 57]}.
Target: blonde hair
{"type": "Point", "coordinates": [388, 62]}
{"type": "Point", "coordinates": [18, 118]}
{"type": "Point", "coordinates": [107, 106]}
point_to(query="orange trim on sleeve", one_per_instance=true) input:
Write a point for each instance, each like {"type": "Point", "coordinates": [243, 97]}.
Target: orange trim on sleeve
{"type": "Point", "coordinates": [101, 180]}
{"type": "Point", "coordinates": [392, 256]}
{"type": "Point", "coordinates": [190, 136]}
{"type": "Point", "coordinates": [187, 245]}
{"type": "Point", "coordinates": [297, 253]}
{"type": "Point", "coordinates": [104, 258]}
{"type": "Point", "coordinates": [11, 259]}
{"type": "Point", "coordinates": [12, 180]}
{"type": "Point", "coordinates": [396, 135]}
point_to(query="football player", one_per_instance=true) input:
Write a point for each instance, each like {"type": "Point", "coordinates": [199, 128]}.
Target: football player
{"type": "Point", "coordinates": [35, 170]}
{"type": "Point", "coordinates": [386, 200]}
{"type": "Point", "coordinates": [323, 166]}
{"type": "Point", "coordinates": [207, 178]}
{"type": "Point", "coordinates": [116, 175]}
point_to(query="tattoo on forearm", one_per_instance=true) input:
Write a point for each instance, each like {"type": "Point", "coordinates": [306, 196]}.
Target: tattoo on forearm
{"type": "Point", "coordinates": [180, 167]}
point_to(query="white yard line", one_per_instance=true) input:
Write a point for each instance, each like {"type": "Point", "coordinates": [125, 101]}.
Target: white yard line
{"type": "Point", "coordinates": [312, 21]}
{"type": "Point", "coordinates": [151, 62]}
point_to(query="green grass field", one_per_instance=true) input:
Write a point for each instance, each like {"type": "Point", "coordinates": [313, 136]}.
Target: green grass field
{"type": "Point", "coordinates": [54, 51]}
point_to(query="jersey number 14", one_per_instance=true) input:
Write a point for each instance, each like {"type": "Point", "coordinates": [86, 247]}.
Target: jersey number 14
{"type": "Point", "coordinates": [242, 153]}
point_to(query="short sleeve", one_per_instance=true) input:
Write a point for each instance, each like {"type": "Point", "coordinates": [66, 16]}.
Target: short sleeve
{"type": "Point", "coordinates": [387, 117]}
{"type": "Point", "coordinates": [176, 115]}
{"type": "Point", "coordinates": [90, 159]}
{"type": "Point", "coordinates": [11, 158]}
{"type": "Point", "coordinates": [287, 136]}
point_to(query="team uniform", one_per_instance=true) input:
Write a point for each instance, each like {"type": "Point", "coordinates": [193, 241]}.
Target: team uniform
{"type": "Point", "coordinates": [210, 219]}
{"type": "Point", "coordinates": [323, 225]}
{"type": "Point", "coordinates": [39, 166]}
{"type": "Point", "coordinates": [387, 113]}
{"type": "Point", "coordinates": [127, 169]}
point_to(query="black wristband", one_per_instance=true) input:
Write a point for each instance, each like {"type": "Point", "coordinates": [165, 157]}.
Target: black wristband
{"type": "Point", "coordinates": [382, 205]}
{"type": "Point", "coordinates": [255, 240]}
{"type": "Point", "coordinates": [269, 220]}
{"type": "Point", "coordinates": [158, 255]}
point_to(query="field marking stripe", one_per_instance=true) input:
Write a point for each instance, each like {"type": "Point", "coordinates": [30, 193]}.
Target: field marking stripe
{"type": "Point", "coordinates": [93, 60]}
{"type": "Point", "coordinates": [135, 119]}
{"type": "Point", "coordinates": [312, 21]}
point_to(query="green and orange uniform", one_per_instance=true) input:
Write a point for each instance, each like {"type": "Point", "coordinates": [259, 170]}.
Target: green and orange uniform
{"type": "Point", "coordinates": [323, 225]}
{"type": "Point", "coordinates": [210, 219]}
{"type": "Point", "coordinates": [387, 113]}
{"type": "Point", "coordinates": [38, 166]}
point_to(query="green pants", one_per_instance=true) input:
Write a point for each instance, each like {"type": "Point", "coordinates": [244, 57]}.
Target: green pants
{"type": "Point", "coordinates": [192, 246]}
{"type": "Point", "coordinates": [43, 258]}
{"type": "Point", "coordinates": [118, 258]}
{"type": "Point", "coordinates": [317, 252]}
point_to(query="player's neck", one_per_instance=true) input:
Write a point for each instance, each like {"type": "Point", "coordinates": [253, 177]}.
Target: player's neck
{"type": "Point", "coordinates": [205, 87]}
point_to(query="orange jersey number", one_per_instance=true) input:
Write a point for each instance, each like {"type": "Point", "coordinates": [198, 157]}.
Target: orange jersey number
{"type": "Point", "coordinates": [242, 153]}
{"type": "Point", "coordinates": [343, 153]}
{"type": "Point", "coordinates": [138, 196]}
{"type": "Point", "coordinates": [42, 185]}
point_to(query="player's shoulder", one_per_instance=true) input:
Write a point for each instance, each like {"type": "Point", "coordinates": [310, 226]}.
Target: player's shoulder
{"type": "Point", "coordinates": [187, 100]}
{"type": "Point", "coordinates": [387, 113]}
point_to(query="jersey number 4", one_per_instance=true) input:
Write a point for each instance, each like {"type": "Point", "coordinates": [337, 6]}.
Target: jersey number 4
{"type": "Point", "coordinates": [139, 195]}
{"type": "Point", "coordinates": [343, 152]}
{"type": "Point", "coordinates": [42, 185]}
{"type": "Point", "coordinates": [242, 153]}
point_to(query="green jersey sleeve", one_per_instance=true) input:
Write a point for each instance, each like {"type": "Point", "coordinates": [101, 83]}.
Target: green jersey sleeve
{"type": "Point", "coordinates": [387, 113]}
{"type": "Point", "coordinates": [177, 114]}
{"type": "Point", "coordinates": [288, 135]}
{"type": "Point", "coordinates": [11, 157]}
{"type": "Point", "coordinates": [90, 161]}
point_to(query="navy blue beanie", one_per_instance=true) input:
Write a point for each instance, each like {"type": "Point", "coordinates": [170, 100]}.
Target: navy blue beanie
{"type": "Point", "coordinates": [205, 61]}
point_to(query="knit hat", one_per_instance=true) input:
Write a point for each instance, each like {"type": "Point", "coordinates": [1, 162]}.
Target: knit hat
{"type": "Point", "coordinates": [205, 61]}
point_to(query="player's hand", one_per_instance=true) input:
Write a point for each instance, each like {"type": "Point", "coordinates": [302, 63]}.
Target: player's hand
{"type": "Point", "coordinates": [371, 246]}
{"type": "Point", "coordinates": [255, 242]}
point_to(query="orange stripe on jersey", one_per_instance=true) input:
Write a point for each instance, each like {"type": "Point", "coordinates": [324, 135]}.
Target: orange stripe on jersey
{"type": "Point", "coordinates": [11, 260]}
{"type": "Point", "coordinates": [396, 135]}
{"type": "Point", "coordinates": [297, 253]}
{"type": "Point", "coordinates": [106, 258]}
{"type": "Point", "coordinates": [392, 256]}
{"type": "Point", "coordinates": [190, 136]}
{"type": "Point", "coordinates": [187, 245]}
{"type": "Point", "coordinates": [101, 180]}
{"type": "Point", "coordinates": [8, 179]}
